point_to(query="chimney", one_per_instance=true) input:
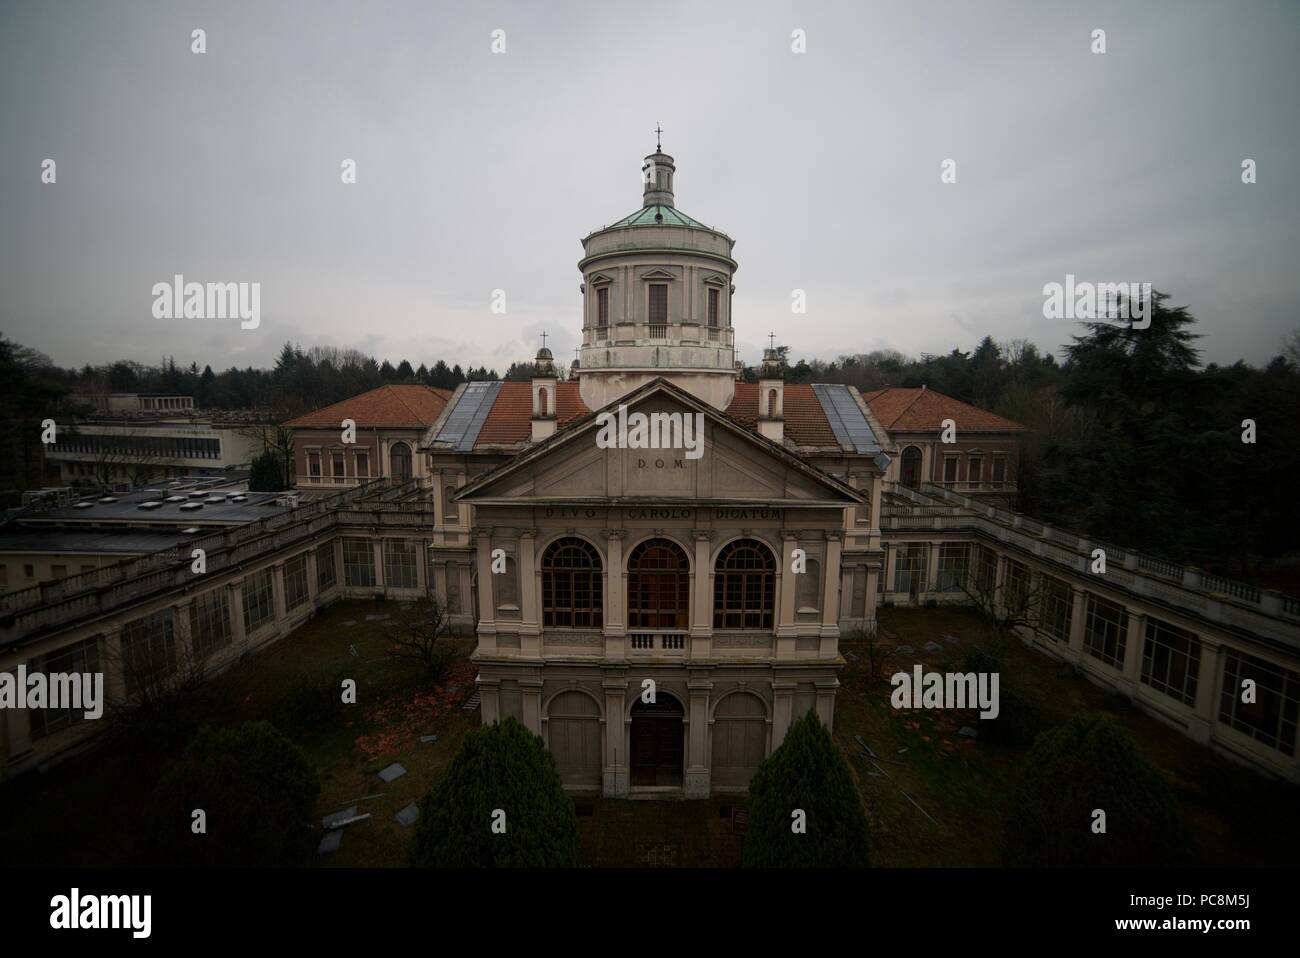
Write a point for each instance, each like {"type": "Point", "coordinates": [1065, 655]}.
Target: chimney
{"type": "Point", "coordinates": [545, 384]}
{"type": "Point", "coordinates": [771, 398]}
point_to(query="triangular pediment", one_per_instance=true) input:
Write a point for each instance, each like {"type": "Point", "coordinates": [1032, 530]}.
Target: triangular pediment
{"type": "Point", "coordinates": [658, 274]}
{"type": "Point", "coordinates": [606, 457]}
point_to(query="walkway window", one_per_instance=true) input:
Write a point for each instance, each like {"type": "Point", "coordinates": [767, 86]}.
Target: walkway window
{"type": "Point", "coordinates": [571, 587]}
{"type": "Point", "coordinates": [399, 458]}
{"type": "Point", "coordinates": [911, 467]}
{"type": "Point", "coordinates": [658, 586]}
{"type": "Point", "coordinates": [1171, 661]}
{"type": "Point", "coordinates": [1104, 631]}
{"type": "Point", "coordinates": [954, 566]}
{"type": "Point", "coordinates": [1057, 608]}
{"type": "Point", "coordinates": [1271, 718]}
{"type": "Point", "coordinates": [744, 586]}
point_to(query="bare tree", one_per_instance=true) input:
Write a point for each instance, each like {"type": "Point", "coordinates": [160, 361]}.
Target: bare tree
{"type": "Point", "coordinates": [420, 631]}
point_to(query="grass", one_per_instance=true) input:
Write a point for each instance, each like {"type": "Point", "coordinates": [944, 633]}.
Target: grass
{"type": "Point", "coordinates": [87, 810]}
{"type": "Point", "coordinates": [90, 809]}
{"type": "Point", "coordinates": [1235, 817]}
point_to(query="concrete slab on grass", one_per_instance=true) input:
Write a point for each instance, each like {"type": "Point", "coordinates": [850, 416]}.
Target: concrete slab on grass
{"type": "Point", "coordinates": [408, 815]}
{"type": "Point", "coordinates": [330, 842]}
{"type": "Point", "coordinates": [334, 817]}
{"type": "Point", "coordinates": [394, 771]}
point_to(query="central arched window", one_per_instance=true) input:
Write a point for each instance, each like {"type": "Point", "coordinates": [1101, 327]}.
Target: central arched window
{"type": "Point", "coordinates": [400, 458]}
{"type": "Point", "coordinates": [910, 470]}
{"type": "Point", "coordinates": [658, 586]}
{"type": "Point", "coordinates": [571, 590]}
{"type": "Point", "coordinates": [744, 586]}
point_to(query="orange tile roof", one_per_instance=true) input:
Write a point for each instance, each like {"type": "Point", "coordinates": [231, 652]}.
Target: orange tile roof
{"type": "Point", "coordinates": [388, 407]}
{"type": "Point", "coordinates": [510, 420]}
{"type": "Point", "coordinates": [923, 410]}
{"type": "Point", "coordinates": [805, 420]}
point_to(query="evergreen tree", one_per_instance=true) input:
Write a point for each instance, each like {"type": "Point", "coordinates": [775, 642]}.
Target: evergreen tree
{"type": "Point", "coordinates": [1090, 764]}
{"type": "Point", "coordinates": [501, 769]}
{"type": "Point", "coordinates": [807, 774]}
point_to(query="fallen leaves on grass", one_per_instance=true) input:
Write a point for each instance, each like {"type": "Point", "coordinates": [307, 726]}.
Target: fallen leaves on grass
{"type": "Point", "coordinates": [401, 719]}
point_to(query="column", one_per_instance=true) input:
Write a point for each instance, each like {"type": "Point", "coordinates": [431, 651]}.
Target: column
{"type": "Point", "coordinates": [1201, 727]}
{"type": "Point", "coordinates": [701, 638]}
{"type": "Point", "coordinates": [186, 655]}
{"type": "Point", "coordinates": [379, 563]}
{"type": "Point", "coordinates": [891, 559]}
{"type": "Point", "coordinates": [615, 592]}
{"type": "Point", "coordinates": [489, 699]}
{"type": "Point", "coordinates": [313, 576]}
{"type": "Point", "coordinates": [785, 629]}
{"type": "Point", "coordinates": [932, 569]}
{"type": "Point", "coordinates": [487, 629]}
{"type": "Point", "coordinates": [1000, 585]}
{"type": "Point", "coordinates": [616, 759]}
{"type": "Point", "coordinates": [782, 711]}
{"type": "Point", "coordinates": [826, 700]}
{"type": "Point", "coordinates": [696, 783]}
{"type": "Point", "coordinates": [18, 729]}
{"type": "Point", "coordinates": [1133, 649]}
{"type": "Point", "coordinates": [277, 591]}
{"type": "Point", "coordinates": [1078, 611]}
{"type": "Point", "coordinates": [530, 642]}
{"type": "Point", "coordinates": [422, 552]}
{"type": "Point", "coordinates": [236, 596]}
{"type": "Point", "coordinates": [114, 665]}
{"type": "Point", "coordinates": [531, 691]}
{"type": "Point", "coordinates": [830, 627]}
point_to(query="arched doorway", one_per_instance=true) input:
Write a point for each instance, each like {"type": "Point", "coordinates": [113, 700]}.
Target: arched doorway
{"type": "Point", "coordinates": [399, 458]}
{"type": "Point", "coordinates": [573, 735]}
{"type": "Point", "coordinates": [910, 471]}
{"type": "Point", "coordinates": [657, 742]}
{"type": "Point", "coordinates": [739, 739]}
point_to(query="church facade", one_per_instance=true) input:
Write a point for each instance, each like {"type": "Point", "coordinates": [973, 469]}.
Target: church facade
{"type": "Point", "coordinates": [658, 611]}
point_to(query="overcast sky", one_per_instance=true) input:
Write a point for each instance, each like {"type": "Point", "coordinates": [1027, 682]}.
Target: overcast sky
{"type": "Point", "coordinates": [478, 171]}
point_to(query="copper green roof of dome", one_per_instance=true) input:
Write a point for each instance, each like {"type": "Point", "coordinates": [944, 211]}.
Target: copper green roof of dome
{"type": "Point", "coordinates": [671, 217]}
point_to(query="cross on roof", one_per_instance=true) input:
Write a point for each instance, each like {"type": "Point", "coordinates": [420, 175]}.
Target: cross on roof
{"type": "Point", "coordinates": [658, 144]}
{"type": "Point", "coordinates": [771, 338]}
{"type": "Point", "coordinates": [543, 339]}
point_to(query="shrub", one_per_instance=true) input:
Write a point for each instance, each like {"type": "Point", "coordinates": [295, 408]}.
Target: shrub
{"type": "Point", "coordinates": [1090, 763]}
{"type": "Point", "coordinates": [807, 772]}
{"type": "Point", "coordinates": [499, 766]}
{"type": "Point", "coordinates": [258, 792]}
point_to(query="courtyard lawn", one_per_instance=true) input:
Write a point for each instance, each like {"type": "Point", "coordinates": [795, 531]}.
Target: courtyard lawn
{"type": "Point", "coordinates": [91, 808]}
{"type": "Point", "coordinates": [1234, 816]}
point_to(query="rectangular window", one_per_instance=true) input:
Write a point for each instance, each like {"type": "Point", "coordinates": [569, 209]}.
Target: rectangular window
{"type": "Point", "coordinates": [974, 470]}
{"type": "Point", "coordinates": [1171, 660]}
{"type": "Point", "coordinates": [986, 573]}
{"type": "Point", "coordinates": [210, 622]}
{"type": "Point", "coordinates": [1104, 631]}
{"type": "Point", "coordinates": [399, 564]}
{"type": "Point", "coordinates": [313, 464]}
{"type": "Point", "coordinates": [950, 469]}
{"type": "Point", "coordinates": [338, 465]}
{"type": "Point", "coordinates": [658, 303]}
{"type": "Point", "coordinates": [358, 563]}
{"type": "Point", "coordinates": [325, 574]}
{"type": "Point", "coordinates": [295, 582]}
{"type": "Point", "coordinates": [602, 306]}
{"type": "Point", "coordinates": [59, 571]}
{"type": "Point", "coordinates": [1017, 595]}
{"type": "Point", "coordinates": [715, 301]}
{"type": "Point", "coordinates": [999, 472]}
{"type": "Point", "coordinates": [909, 567]}
{"type": "Point", "coordinates": [259, 599]}
{"type": "Point", "coordinates": [80, 657]}
{"type": "Point", "coordinates": [1056, 608]}
{"type": "Point", "coordinates": [1271, 718]}
{"type": "Point", "coordinates": [148, 651]}
{"type": "Point", "coordinates": [363, 464]}
{"type": "Point", "coordinates": [954, 565]}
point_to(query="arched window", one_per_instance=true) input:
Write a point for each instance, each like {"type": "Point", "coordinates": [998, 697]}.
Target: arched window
{"type": "Point", "coordinates": [744, 586]}
{"type": "Point", "coordinates": [658, 586]}
{"type": "Point", "coordinates": [541, 401]}
{"type": "Point", "coordinates": [571, 592]}
{"type": "Point", "coordinates": [910, 471]}
{"type": "Point", "coordinates": [399, 458]}
{"type": "Point", "coordinates": [771, 404]}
